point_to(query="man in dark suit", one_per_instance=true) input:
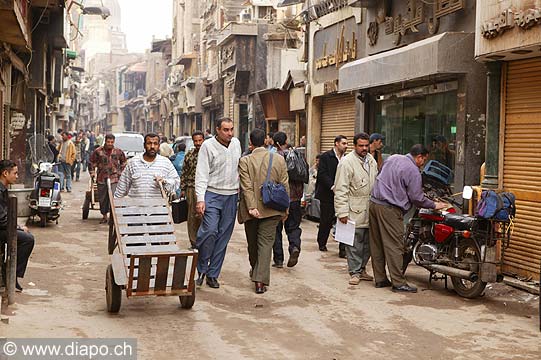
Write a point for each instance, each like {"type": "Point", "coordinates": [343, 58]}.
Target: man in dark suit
{"type": "Point", "coordinates": [328, 162]}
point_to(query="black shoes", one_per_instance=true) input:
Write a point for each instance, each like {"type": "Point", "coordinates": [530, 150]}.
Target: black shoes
{"type": "Point", "coordinates": [404, 288]}
{"type": "Point", "coordinates": [384, 283]}
{"type": "Point", "coordinates": [323, 248]}
{"type": "Point", "coordinates": [199, 280]}
{"type": "Point", "coordinates": [278, 265]}
{"type": "Point", "coordinates": [342, 254]}
{"type": "Point", "coordinates": [293, 257]}
{"type": "Point", "coordinates": [18, 286]}
{"type": "Point", "coordinates": [213, 283]}
{"type": "Point", "coordinates": [260, 288]}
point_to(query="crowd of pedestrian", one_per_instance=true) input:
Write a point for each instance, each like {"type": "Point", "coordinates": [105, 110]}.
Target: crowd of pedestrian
{"type": "Point", "coordinates": [217, 179]}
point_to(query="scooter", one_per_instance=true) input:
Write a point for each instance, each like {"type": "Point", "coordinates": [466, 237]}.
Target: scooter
{"type": "Point", "coordinates": [45, 199]}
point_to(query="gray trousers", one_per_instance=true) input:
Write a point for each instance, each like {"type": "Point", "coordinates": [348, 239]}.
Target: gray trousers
{"type": "Point", "coordinates": [260, 235]}
{"type": "Point", "coordinates": [358, 254]}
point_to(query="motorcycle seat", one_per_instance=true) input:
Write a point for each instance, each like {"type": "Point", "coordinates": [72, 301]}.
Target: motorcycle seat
{"type": "Point", "coordinates": [459, 222]}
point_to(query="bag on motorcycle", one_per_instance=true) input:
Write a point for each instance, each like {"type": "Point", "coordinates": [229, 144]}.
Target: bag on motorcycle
{"type": "Point", "coordinates": [508, 209]}
{"type": "Point", "coordinates": [496, 206]}
{"type": "Point", "coordinates": [297, 167]}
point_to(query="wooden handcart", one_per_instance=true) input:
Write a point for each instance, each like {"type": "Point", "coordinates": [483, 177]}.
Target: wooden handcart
{"type": "Point", "coordinates": [91, 197]}
{"type": "Point", "coordinates": [146, 258]}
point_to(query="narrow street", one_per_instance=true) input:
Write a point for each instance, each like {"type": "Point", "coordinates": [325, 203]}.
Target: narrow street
{"type": "Point", "coordinates": [309, 312]}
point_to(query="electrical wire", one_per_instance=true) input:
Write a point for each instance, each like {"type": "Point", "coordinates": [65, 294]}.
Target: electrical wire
{"type": "Point", "coordinates": [40, 17]}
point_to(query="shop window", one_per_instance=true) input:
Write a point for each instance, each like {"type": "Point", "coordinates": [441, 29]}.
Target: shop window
{"type": "Point", "coordinates": [420, 116]}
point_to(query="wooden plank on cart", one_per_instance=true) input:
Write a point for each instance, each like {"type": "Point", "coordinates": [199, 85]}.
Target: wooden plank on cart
{"type": "Point", "coordinates": [143, 275]}
{"type": "Point", "coordinates": [118, 269]}
{"type": "Point", "coordinates": [143, 219]}
{"type": "Point", "coordinates": [148, 239]}
{"type": "Point", "coordinates": [179, 272]}
{"type": "Point", "coordinates": [152, 249]}
{"type": "Point", "coordinates": [148, 202]}
{"type": "Point", "coordinates": [162, 273]}
{"type": "Point", "coordinates": [142, 210]}
{"type": "Point", "coordinates": [146, 229]}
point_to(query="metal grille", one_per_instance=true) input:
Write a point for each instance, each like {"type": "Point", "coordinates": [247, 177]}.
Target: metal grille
{"type": "Point", "coordinates": [522, 163]}
{"type": "Point", "coordinates": [337, 118]}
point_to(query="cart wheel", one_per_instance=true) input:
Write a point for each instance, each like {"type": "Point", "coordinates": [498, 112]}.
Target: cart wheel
{"type": "Point", "coordinates": [86, 208]}
{"type": "Point", "coordinates": [186, 302]}
{"type": "Point", "coordinates": [113, 292]}
{"type": "Point", "coordinates": [42, 220]}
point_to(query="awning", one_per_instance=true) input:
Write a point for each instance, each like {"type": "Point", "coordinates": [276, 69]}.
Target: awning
{"type": "Point", "coordinates": [139, 67]}
{"type": "Point", "coordinates": [447, 53]}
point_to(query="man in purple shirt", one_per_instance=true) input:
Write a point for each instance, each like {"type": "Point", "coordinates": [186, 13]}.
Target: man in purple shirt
{"type": "Point", "coordinates": [398, 187]}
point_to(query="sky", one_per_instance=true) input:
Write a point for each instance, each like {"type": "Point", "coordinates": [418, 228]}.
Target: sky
{"type": "Point", "coordinates": [143, 18]}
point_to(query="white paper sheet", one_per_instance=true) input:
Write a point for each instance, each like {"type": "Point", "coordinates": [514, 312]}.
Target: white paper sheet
{"type": "Point", "coordinates": [345, 233]}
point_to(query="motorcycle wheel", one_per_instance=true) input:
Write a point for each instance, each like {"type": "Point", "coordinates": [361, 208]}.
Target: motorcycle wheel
{"type": "Point", "coordinates": [469, 254]}
{"type": "Point", "coordinates": [86, 208]}
{"type": "Point", "coordinates": [42, 220]}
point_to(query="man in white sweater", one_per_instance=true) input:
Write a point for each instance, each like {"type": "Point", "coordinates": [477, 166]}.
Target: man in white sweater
{"type": "Point", "coordinates": [216, 188]}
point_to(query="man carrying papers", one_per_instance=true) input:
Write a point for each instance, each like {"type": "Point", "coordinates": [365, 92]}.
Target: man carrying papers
{"type": "Point", "coordinates": [355, 177]}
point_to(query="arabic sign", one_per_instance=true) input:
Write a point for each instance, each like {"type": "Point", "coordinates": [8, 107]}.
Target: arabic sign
{"type": "Point", "coordinates": [524, 19]}
{"type": "Point", "coordinates": [416, 15]}
{"type": "Point", "coordinates": [344, 52]}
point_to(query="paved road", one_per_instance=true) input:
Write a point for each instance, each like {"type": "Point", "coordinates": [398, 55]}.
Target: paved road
{"type": "Point", "coordinates": [309, 312]}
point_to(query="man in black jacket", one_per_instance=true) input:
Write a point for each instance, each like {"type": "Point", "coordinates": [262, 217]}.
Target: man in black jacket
{"type": "Point", "coordinates": [328, 162]}
{"type": "Point", "coordinates": [25, 241]}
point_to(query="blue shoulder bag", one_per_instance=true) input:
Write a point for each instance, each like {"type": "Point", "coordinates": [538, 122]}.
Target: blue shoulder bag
{"type": "Point", "coordinates": [274, 195]}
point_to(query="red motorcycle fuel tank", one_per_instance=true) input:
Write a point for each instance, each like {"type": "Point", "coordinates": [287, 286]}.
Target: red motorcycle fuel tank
{"type": "Point", "coordinates": [442, 232]}
{"type": "Point", "coordinates": [433, 215]}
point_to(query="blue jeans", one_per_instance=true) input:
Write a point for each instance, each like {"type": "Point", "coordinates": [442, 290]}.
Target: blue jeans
{"type": "Point", "coordinates": [215, 232]}
{"type": "Point", "coordinates": [293, 231]}
{"type": "Point", "coordinates": [64, 170]}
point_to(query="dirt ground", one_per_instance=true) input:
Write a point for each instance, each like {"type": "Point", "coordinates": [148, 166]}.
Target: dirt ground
{"type": "Point", "coordinates": [309, 312]}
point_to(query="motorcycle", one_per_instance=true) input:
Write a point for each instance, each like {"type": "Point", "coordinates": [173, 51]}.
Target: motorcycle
{"type": "Point", "coordinates": [45, 199]}
{"type": "Point", "coordinates": [467, 248]}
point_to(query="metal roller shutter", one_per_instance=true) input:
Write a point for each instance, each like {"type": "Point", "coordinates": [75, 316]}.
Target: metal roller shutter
{"type": "Point", "coordinates": [337, 118]}
{"type": "Point", "coordinates": [522, 163]}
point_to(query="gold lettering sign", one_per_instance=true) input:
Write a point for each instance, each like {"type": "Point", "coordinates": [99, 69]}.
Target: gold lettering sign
{"type": "Point", "coordinates": [524, 19]}
{"type": "Point", "coordinates": [344, 52]}
{"type": "Point", "coordinates": [400, 25]}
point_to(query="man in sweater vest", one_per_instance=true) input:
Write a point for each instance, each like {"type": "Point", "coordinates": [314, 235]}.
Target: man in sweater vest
{"type": "Point", "coordinates": [216, 189]}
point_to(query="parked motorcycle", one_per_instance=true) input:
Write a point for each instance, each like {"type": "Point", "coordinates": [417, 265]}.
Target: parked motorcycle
{"type": "Point", "coordinates": [45, 199]}
{"type": "Point", "coordinates": [464, 247]}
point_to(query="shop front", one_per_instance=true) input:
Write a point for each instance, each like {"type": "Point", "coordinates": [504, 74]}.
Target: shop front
{"type": "Point", "coordinates": [336, 41]}
{"type": "Point", "coordinates": [430, 92]}
{"type": "Point", "coordinates": [508, 41]}
{"type": "Point", "coordinates": [422, 115]}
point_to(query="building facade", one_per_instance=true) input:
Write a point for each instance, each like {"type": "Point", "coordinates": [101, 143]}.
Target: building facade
{"type": "Point", "coordinates": [416, 81]}
{"type": "Point", "coordinates": [508, 42]}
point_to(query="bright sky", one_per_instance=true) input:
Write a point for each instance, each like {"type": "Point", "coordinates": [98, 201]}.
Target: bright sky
{"type": "Point", "coordinates": [142, 18]}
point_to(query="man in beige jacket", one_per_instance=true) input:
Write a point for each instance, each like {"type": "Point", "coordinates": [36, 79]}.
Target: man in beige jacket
{"type": "Point", "coordinates": [66, 158]}
{"type": "Point", "coordinates": [355, 177]}
{"type": "Point", "coordinates": [259, 221]}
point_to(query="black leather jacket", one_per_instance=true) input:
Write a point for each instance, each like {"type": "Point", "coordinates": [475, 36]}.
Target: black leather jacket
{"type": "Point", "coordinates": [3, 207]}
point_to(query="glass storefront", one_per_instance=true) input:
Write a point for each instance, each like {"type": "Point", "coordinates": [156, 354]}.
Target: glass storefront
{"type": "Point", "coordinates": [425, 115]}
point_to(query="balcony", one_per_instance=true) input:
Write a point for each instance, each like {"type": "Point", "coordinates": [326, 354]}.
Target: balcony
{"type": "Point", "coordinates": [14, 20]}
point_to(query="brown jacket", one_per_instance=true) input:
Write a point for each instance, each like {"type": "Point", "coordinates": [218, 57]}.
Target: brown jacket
{"type": "Point", "coordinates": [253, 172]}
{"type": "Point", "coordinates": [70, 154]}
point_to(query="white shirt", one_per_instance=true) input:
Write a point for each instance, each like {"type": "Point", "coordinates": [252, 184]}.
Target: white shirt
{"type": "Point", "coordinates": [138, 178]}
{"type": "Point", "coordinates": [217, 168]}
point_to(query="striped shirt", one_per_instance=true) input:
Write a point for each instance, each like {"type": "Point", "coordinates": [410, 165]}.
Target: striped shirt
{"type": "Point", "coordinates": [217, 168]}
{"type": "Point", "coordinates": [138, 178]}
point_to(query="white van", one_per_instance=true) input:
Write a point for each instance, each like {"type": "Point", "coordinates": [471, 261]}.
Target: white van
{"type": "Point", "coordinates": [131, 143]}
